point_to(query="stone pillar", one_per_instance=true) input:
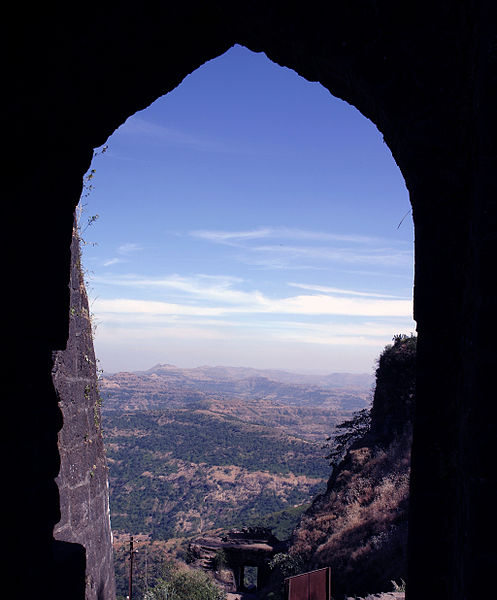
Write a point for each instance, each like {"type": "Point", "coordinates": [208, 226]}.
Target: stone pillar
{"type": "Point", "coordinates": [263, 572]}
{"type": "Point", "coordinates": [242, 578]}
{"type": "Point", "coordinates": [238, 575]}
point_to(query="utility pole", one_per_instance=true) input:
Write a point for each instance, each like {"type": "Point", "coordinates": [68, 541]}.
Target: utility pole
{"type": "Point", "coordinates": [131, 553]}
{"type": "Point", "coordinates": [146, 568]}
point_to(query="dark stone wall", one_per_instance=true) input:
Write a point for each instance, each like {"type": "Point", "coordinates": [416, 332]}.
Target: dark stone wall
{"type": "Point", "coordinates": [82, 480]}
{"type": "Point", "coordinates": [424, 73]}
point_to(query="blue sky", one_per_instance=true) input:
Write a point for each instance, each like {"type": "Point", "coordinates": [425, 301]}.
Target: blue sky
{"type": "Point", "coordinates": [248, 218]}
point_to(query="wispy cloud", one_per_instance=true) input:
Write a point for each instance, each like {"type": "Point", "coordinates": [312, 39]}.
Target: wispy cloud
{"type": "Point", "coordinates": [201, 333]}
{"type": "Point", "coordinates": [229, 237]}
{"type": "Point", "coordinates": [218, 296]}
{"type": "Point", "coordinates": [123, 250]}
{"type": "Point", "coordinates": [386, 257]}
{"type": "Point", "coordinates": [137, 308]}
{"type": "Point", "coordinates": [152, 327]}
{"type": "Point", "coordinates": [128, 248]}
{"type": "Point", "coordinates": [162, 134]}
{"type": "Point", "coordinates": [293, 248]}
{"type": "Point", "coordinates": [232, 237]}
{"type": "Point", "coordinates": [225, 311]}
{"type": "Point", "coordinates": [297, 305]}
{"type": "Point", "coordinates": [332, 290]}
{"type": "Point", "coordinates": [334, 305]}
{"type": "Point", "coordinates": [208, 288]}
{"type": "Point", "coordinates": [112, 261]}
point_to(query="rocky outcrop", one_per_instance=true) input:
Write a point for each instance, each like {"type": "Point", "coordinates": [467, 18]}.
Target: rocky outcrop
{"type": "Point", "coordinates": [393, 405]}
{"type": "Point", "coordinates": [239, 548]}
{"type": "Point", "coordinates": [358, 527]}
{"type": "Point", "coordinates": [82, 481]}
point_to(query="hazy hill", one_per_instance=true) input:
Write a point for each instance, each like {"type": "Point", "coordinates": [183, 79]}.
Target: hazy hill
{"type": "Point", "coordinates": [220, 373]}
{"type": "Point", "coordinates": [170, 386]}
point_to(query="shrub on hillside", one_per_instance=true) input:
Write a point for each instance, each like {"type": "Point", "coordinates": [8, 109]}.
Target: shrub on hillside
{"type": "Point", "coordinates": [184, 583]}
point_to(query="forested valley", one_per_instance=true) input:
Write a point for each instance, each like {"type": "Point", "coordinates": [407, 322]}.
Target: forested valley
{"type": "Point", "coordinates": [198, 451]}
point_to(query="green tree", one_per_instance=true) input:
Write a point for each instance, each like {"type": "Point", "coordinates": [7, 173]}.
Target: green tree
{"type": "Point", "coordinates": [183, 583]}
{"type": "Point", "coordinates": [282, 565]}
{"type": "Point", "coordinates": [288, 564]}
{"type": "Point", "coordinates": [346, 433]}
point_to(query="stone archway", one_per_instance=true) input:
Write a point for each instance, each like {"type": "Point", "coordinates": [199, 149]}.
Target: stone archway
{"type": "Point", "coordinates": [426, 78]}
{"type": "Point", "coordinates": [242, 548]}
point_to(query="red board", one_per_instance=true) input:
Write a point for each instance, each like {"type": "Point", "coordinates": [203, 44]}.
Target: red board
{"type": "Point", "coordinates": [315, 585]}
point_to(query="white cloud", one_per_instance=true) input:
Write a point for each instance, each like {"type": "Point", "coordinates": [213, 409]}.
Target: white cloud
{"type": "Point", "coordinates": [231, 237]}
{"type": "Point", "coordinates": [387, 257]}
{"type": "Point", "coordinates": [293, 248]}
{"type": "Point", "coordinates": [202, 286]}
{"type": "Point", "coordinates": [144, 334]}
{"type": "Point", "coordinates": [128, 248]}
{"type": "Point", "coordinates": [232, 301]}
{"type": "Point", "coordinates": [123, 250]}
{"type": "Point", "coordinates": [214, 319]}
{"type": "Point", "coordinates": [112, 261]}
{"type": "Point", "coordinates": [326, 289]}
{"type": "Point", "coordinates": [134, 309]}
{"type": "Point", "coordinates": [321, 304]}
{"type": "Point", "coordinates": [255, 325]}
{"type": "Point", "coordinates": [252, 334]}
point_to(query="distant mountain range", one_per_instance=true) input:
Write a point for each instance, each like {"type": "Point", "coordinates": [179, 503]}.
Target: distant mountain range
{"type": "Point", "coordinates": [170, 386]}
{"type": "Point", "coordinates": [219, 373]}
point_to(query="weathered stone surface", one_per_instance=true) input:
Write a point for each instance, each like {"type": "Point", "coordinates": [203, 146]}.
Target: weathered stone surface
{"type": "Point", "coordinates": [82, 480]}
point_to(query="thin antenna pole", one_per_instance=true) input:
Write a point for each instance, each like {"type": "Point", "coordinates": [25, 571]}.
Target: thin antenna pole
{"type": "Point", "coordinates": [146, 568]}
{"type": "Point", "coordinates": [130, 567]}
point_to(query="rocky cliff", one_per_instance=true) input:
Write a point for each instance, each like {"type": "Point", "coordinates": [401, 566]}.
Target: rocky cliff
{"type": "Point", "coordinates": [84, 525]}
{"type": "Point", "coordinates": [359, 525]}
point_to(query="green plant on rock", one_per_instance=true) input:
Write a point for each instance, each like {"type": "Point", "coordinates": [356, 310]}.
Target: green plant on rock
{"type": "Point", "coordinates": [220, 560]}
{"type": "Point", "coordinates": [86, 191]}
{"type": "Point", "coordinates": [97, 407]}
{"type": "Point", "coordinates": [288, 564]}
{"type": "Point", "coordinates": [399, 587]}
{"type": "Point", "coordinates": [282, 565]}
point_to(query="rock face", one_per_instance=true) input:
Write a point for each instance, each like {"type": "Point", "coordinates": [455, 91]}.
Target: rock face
{"type": "Point", "coordinates": [358, 527]}
{"type": "Point", "coordinates": [82, 480]}
{"type": "Point", "coordinates": [394, 395]}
